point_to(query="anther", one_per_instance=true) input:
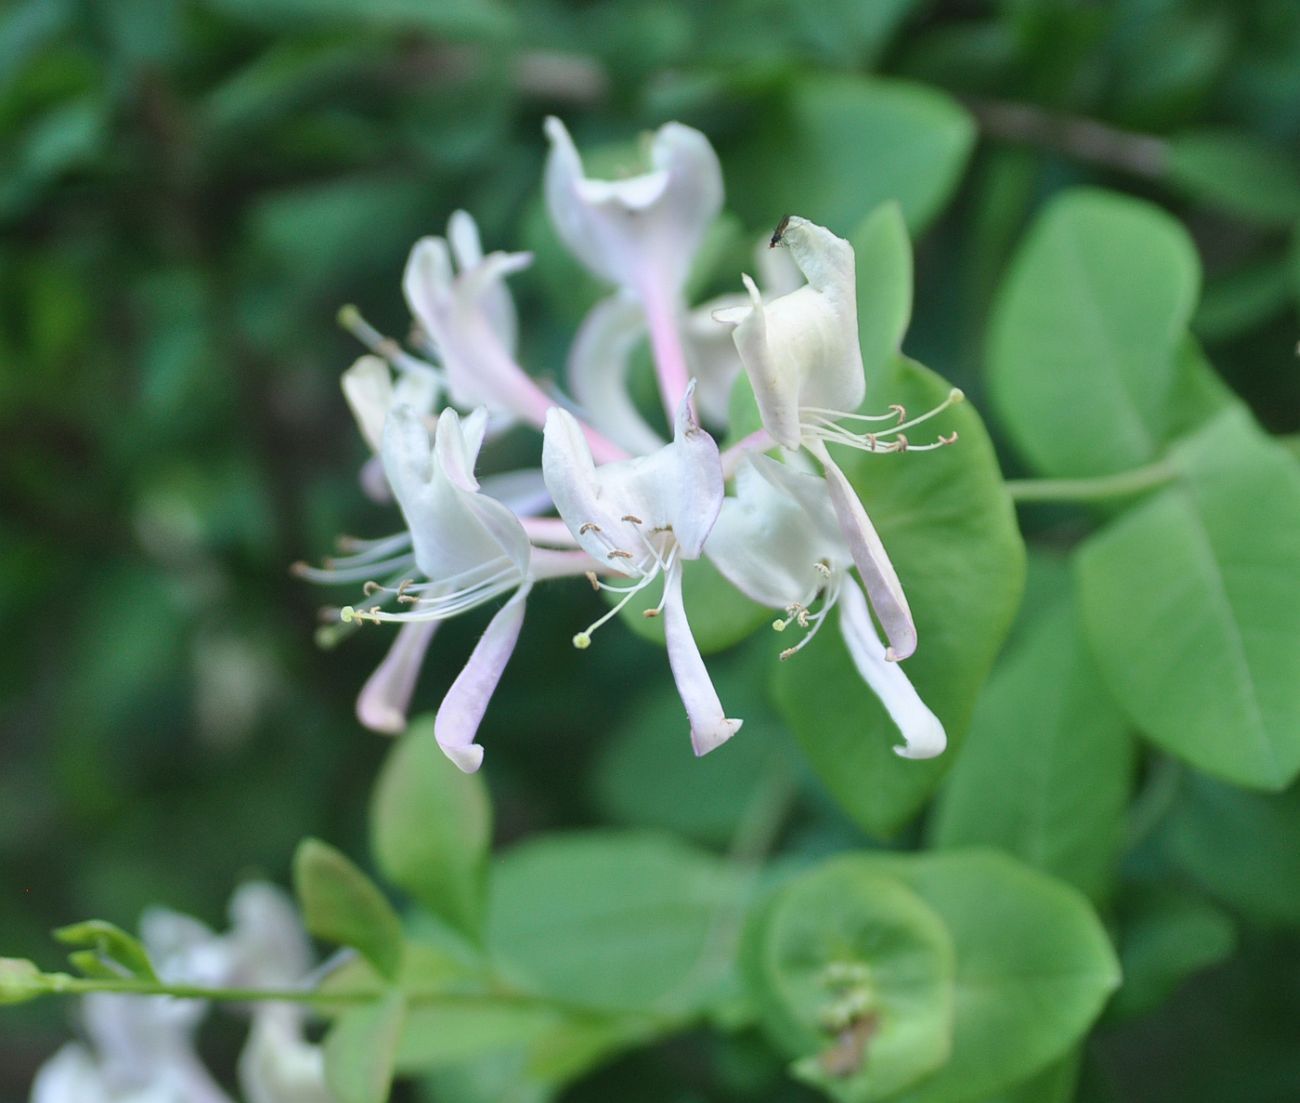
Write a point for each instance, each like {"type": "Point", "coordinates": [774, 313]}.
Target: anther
{"type": "Point", "coordinates": [298, 569]}
{"type": "Point", "coordinates": [595, 582]}
{"type": "Point", "coordinates": [900, 445]}
{"type": "Point", "coordinates": [823, 568]}
{"type": "Point", "coordinates": [787, 653]}
{"type": "Point", "coordinates": [371, 588]}
{"type": "Point", "coordinates": [901, 411]}
{"type": "Point", "coordinates": [619, 553]}
{"type": "Point", "coordinates": [649, 614]}
{"type": "Point", "coordinates": [634, 520]}
{"type": "Point", "coordinates": [588, 526]}
{"type": "Point", "coordinates": [951, 438]}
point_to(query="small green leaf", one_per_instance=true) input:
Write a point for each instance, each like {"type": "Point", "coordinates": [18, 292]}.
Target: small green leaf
{"type": "Point", "coordinates": [1044, 776]}
{"type": "Point", "coordinates": [361, 1050]}
{"type": "Point", "coordinates": [1166, 935]}
{"type": "Point", "coordinates": [20, 980]}
{"type": "Point", "coordinates": [1034, 968]}
{"type": "Point", "coordinates": [341, 904]}
{"type": "Point", "coordinates": [883, 254]}
{"type": "Point", "coordinates": [431, 829]}
{"type": "Point", "coordinates": [853, 974]}
{"type": "Point", "coordinates": [848, 144]}
{"type": "Point", "coordinates": [1235, 171]}
{"type": "Point", "coordinates": [1085, 334]}
{"type": "Point", "coordinates": [1244, 848]}
{"type": "Point", "coordinates": [106, 950]}
{"type": "Point", "coordinates": [614, 921]}
{"type": "Point", "coordinates": [1191, 605]}
{"type": "Point", "coordinates": [951, 532]}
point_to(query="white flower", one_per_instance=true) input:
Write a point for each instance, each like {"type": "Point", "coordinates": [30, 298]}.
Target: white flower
{"type": "Point", "coordinates": [643, 517]}
{"type": "Point", "coordinates": [801, 354]}
{"type": "Point", "coordinates": [641, 233]}
{"type": "Point", "coordinates": [778, 541]}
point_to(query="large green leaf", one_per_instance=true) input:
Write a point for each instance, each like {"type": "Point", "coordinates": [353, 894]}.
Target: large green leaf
{"type": "Point", "coordinates": [1086, 330]}
{"type": "Point", "coordinates": [883, 254]}
{"type": "Point", "coordinates": [952, 535]}
{"type": "Point", "coordinates": [1034, 967]}
{"type": "Point", "coordinates": [431, 828]}
{"type": "Point", "coordinates": [1192, 607]}
{"type": "Point", "coordinates": [616, 921]}
{"type": "Point", "coordinates": [845, 145]}
{"type": "Point", "coordinates": [1046, 769]}
{"type": "Point", "coordinates": [853, 974]}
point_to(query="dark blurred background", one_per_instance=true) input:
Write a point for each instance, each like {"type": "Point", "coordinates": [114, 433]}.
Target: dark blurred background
{"type": "Point", "coordinates": [188, 192]}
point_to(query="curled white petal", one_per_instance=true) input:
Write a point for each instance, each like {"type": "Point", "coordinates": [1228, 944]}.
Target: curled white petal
{"type": "Point", "coordinates": [923, 734]}
{"type": "Point", "coordinates": [710, 726]}
{"type": "Point", "coordinates": [461, 712]}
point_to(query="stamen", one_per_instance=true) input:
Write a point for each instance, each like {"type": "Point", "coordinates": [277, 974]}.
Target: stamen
{"type": "Point", "coordinates": [825, 425]}
{"type": "Point", "coordinates": [386, 347]}
{"type": "Point", "coordinates": [634, 520]}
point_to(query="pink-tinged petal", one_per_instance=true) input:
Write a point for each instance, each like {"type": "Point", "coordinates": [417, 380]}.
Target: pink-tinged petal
{"type": "Point", "coordinates": [599, 362]}
{"type": "Point", "coordinates": [871, 559]}
{"type": "Point", "coordinates": [923, 734]}
{"type": "Point", "coordinates": [462, 709]}
{"type": "Point", "coordinates": [456, 445]}
{"type": "Point", "coordinates": [374, 482]}
{"type": "Point", "coordinates": [693, 483]}
{"type": "Point", "coordinates": [642, 232]}
{"type": "Point", "coordinates": [384, 699]}
{"type": "Point", "coordinates": [710, 727]}
{"type": "Point", "coordinates": [498, 305]}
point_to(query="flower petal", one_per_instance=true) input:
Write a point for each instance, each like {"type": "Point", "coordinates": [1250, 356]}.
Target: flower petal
{"type": "Point", "coordinates": [498, 305]}
{"type": "Point", "coordinates": [710, 727]}
{"type": "Point", "coordinates": [776, 386]}
{"type": "Point", "coordinates": [871, 559]}
{"type": "Point", "coordinates": [368, 387]}
{"type": "Point", "coordinates": [641, 232]}
{"type": "Point", "coordinates": [462, 709]}
{"type": "Point", "coordinates": [386, 696]}
{"type": "Point", "coordinates": [763, 543]}
{"type": "Point", "coordinates": [599, 362]}
{"type": "Point", "coordinates": [278, 1064]}
{"type": "Point", "coordinates": [923, 734]}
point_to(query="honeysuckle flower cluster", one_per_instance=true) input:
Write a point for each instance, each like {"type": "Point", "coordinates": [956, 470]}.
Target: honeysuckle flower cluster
{"type": "Point", "coordinates": [141, 1049]}
{"type": "Point", "coordinates": [623, 498]}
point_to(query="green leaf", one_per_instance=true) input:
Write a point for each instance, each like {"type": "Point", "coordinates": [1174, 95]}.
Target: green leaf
{"type": "Point", "coordinates": [1085, 334]}
{"type": "Point", "coordinates": [1243, 847]}
{"type": "Point", "coordinates": [115, 950]}
{"type": "Point", "coordinates": [883, 253]}
{"type": "Point", "coordinates": [361, 1048]}
{"type": "Point", "coordinates": [1192, 609]}
{"type": "Point", "coordinates": [614, 921]}
{"type": "Point", "coordinates": [848, 144]}
{"type": "Point", "coordinates": [1055, 1084]}
{"type": "Point", "coordinates": [1044, 775]}
{"type": "Point", "coordinates": [341, 904]}
{"type": "Point", "coordinates": [854, 975]}
{"type": "Point", "coordinates": [952, 535]}
{"type": "Point", "coordinates": [471, 18]}
{"type": "Point", "coordinates": [1235, 171]}
{"type": "Point", "coordinates": [1166, 935]}
{"type": "Point", "coordinates": [1034, 967]}
{"type": "Point", "coordinates": [431, 829]}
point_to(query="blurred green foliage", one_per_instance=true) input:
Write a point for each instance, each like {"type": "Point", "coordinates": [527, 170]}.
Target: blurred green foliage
{"type": "Point", "coordinates": [189, 190]}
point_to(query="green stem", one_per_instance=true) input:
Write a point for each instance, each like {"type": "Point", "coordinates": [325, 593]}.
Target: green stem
{"type": "Point", "coordinates": [1095, 489]}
